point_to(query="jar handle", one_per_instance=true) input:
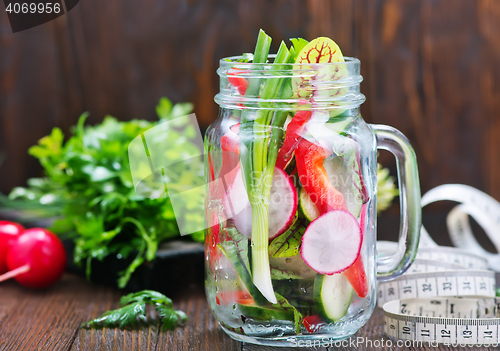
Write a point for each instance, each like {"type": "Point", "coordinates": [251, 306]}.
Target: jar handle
{"type": "Point", "coordinates": [391, 139]}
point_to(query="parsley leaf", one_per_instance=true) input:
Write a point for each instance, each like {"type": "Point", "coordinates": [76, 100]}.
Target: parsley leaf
{"type": "Point", "coordinates": [133, 309]}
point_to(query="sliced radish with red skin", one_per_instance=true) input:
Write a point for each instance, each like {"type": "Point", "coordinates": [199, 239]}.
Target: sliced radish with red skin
{"type": "Point", "coordinates": [237, 199]}
{"type": "Point", "coordinates": [230, 141]}
{"type": "Point", "coordinates": [332, 242]}
{"type": "Point", "coordinates": [37, 259]}
{"type": "Point", "coordinates": [230, 147]}
{"type": "Point", "coordinates": [229, 155]}
{"type": "Point", "coordinates": [282, 205]}
{"type": "Point", "coordinates": [9, 231]}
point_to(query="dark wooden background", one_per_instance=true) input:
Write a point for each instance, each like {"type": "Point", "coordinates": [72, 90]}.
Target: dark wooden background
{"type": "Point", "coordinates": [431, 69]}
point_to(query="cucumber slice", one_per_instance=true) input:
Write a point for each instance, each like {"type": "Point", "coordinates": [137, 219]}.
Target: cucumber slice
{"type": "Point", "coordinates": [260, 313]}
{"type": "Point", "coordinates": [339, 125]}
{"type": "Point", "coordinates": [307, 206]}
{"type": "Point", "coordinates": [343, 176]}
{"type": "Point", "coordinates": [332, 296]}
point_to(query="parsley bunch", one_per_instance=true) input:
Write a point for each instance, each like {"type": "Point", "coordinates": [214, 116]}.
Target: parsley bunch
{"type": "Point", "coordinates": [89, 187]}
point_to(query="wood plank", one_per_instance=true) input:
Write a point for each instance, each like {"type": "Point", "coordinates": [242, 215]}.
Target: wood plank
{"type": "Point", "coordinates": [174, 53]}
{"type": "Point", "coordinates": [489, 29]}
{"type": "Point", "coordinates": [454, 65]}
{"type": "Point", "coordinates": [334, 19]}
{"type": "Point", "coordinates": [48, 319]}
{"type": "Point", "coordinates": [34, 94]}
{"type": "Point", "coordinates": [28, 98]}
{"type": "Point", "coordinates": [70, 95]}
{"type": "Point", "coordinates": [201, 332]}
{"type": "Point", "coordinates": [140, 337]}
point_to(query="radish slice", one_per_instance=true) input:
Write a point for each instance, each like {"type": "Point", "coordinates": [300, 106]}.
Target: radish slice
{"type": "Point", "coordinates": [332, 242]}
{"type": "Point", "coordinates": [282, 205]}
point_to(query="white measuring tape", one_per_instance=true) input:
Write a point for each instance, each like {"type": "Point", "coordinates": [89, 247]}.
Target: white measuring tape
{"type": "Point", "coordinates": [448, 294]}
{"type": "Point", "coordinates": [462, 321]}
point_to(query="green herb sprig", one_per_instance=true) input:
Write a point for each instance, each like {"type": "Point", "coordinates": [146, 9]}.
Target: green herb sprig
{"type": "Point", "coordinates": [133, 309]}
{"type": "Point", "coordinates": [258, 152]}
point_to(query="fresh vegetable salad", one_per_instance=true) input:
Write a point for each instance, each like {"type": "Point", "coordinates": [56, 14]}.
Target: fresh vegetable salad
{"type": "Point", "coordinates": [290, 171]}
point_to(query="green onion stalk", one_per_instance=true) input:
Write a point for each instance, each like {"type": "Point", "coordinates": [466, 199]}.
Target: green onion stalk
{"type": "Point", "coordinates": [260, 136]}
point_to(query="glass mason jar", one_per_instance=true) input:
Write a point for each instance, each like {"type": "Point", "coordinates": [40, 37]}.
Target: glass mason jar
{"type": "Point", "coordinates": [291, 203]}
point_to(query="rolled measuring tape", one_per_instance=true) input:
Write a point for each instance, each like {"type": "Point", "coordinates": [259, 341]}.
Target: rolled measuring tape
{"type": "Point", "coordinates": [448, 294]}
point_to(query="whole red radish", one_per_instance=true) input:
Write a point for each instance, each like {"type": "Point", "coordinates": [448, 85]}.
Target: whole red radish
{"type": "Point", "coordinates": [36, 259]}
{"type": "Point", "coordinates": [8, 233]}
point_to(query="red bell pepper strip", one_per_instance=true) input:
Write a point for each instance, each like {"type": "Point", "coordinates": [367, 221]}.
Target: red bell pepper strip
{"type": "Point", "coordinates": [356, 273]}
{"type": "Point", "coordinates": [217, 187]}
{"type": "Point", "coordinates": [239, 83]}
{"type": "Point", "coordinates": [231, 297]}
{"type": "Point", "coordinates": [211, 172]}
{"type": "Point", "coordinates": [230, 141]}
{"type": "Point", "coordinates": [293, 136]}
{"type": "Point", "coordinates": [213, 238]}
{"type": "Point", "coordinates": [214, 219]}
{"type": "Point", "coordinates": [313, 177]}
{"type": "Point", "coordinates": [313, 323]}
{"type": "Point", "coordinates": [356, 276]}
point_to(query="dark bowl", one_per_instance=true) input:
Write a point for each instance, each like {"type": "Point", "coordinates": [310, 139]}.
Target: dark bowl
{"type": "Point", "coordinates": [178, 265]}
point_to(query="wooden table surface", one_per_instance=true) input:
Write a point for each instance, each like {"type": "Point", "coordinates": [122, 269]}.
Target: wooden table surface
{"type": "Point", "coordinates": [50, 320]}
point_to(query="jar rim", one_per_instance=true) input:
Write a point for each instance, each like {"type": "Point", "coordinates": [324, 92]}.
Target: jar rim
{"type": "Point", "coordinates": [250, 70]}
{"type": "Point", "coordinates": [230, 61]}
{"type": "Point", "coordinates": [319, 85]}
